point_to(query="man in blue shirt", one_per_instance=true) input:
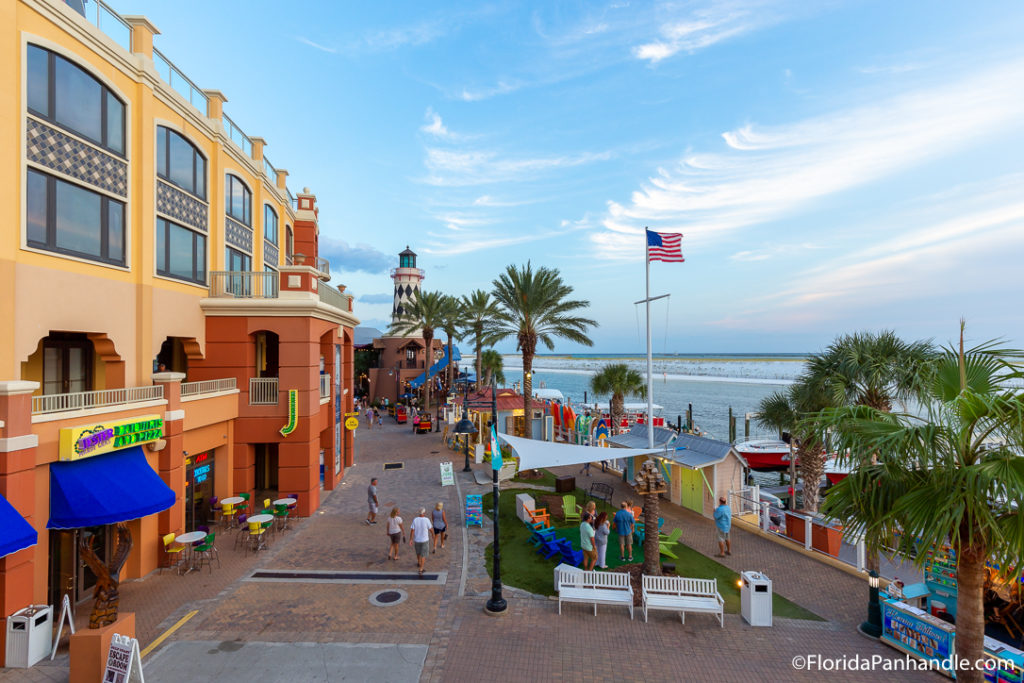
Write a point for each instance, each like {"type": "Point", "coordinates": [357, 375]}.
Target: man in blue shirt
{"type": "Point", "coordinates": [723, 522]}
{"type": "Point", "coordinates": [623, 522]}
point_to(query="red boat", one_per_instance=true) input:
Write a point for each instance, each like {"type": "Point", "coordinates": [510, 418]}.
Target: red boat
{"type": "Point", "coordinates": [834, 471]}
{"type": "Point", "coordinates": [765, 455]}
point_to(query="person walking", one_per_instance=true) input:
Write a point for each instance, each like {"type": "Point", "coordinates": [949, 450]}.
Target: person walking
{"type": "Point", "coordinates": [396, 532]}
{"type": "Point", "coordinates": [380, 418]}
{"type": "Point", "coordinates": [624, 522]}
{"type": "Point", "coordinates": [601, 533]}
{"type": "Point", "coordinates": [369, 417]}
{"type": "Point", "coordinates": [371, 502]}
{"type": "Point", "coordinates": [421, 533]}
{"type": "Point", "coordinates": [587, 534]}
{"type": "Point", "coordinates": [585, 468]}
{"type": "Point", "coordinates": [415, 423]}
{"type": "Point", "coordinates": [723, 522]}
{"type": "Point", "coordinates": [439, 518]}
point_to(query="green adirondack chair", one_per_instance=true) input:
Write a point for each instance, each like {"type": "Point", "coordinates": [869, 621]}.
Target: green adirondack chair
{"type": "Point", "coordinates": [570, 510]}
{"type": "Point", "coordinates": [667, 543]}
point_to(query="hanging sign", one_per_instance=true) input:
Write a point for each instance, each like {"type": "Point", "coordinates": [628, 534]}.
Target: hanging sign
{"type": "Point", "coordinates": [447, 475]}
{"type": "Point", "coordinates": [293, 412]}
{"type": "Point", "coordinates": [96, 439]}
{"type": "Point", "coordinates": [351, 423]}
{"type": "Point", "coordinates": [124, 663]}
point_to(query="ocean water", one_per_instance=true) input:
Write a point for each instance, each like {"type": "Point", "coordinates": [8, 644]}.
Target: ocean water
{"type": "Point", "coordinates": [712, 383]}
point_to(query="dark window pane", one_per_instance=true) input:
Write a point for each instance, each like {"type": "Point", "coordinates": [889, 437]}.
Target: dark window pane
{"type": "Point", "coordinates": [38, 80]}
{"type": "Point", "coordinates": [115, 231]}
{"type": "Point", "coordinates": [36, 207]}
{"type": "Point", "coordinates": [115, 124]}
{"type": "Point", "coordinates": [180, 252]}
{"type": "Point", "coordinates": [78, 219]}
{"type": "Point", "coordinates": [161, 151]}
{"type": "Point", "coordinates": [78, 100]}
{"type": "Point", "coordinates": [181, 154]}
{"type": "Point", "coordinates": [201, 176]}
{"type": "Point", "coordinates": [161, 245]}
{"type": "Point", "coordinates": [201, 258]}
{"type": "Point", "coordinates": [269, 225]}
{"type": "Point", "coordinates": [247, 207]}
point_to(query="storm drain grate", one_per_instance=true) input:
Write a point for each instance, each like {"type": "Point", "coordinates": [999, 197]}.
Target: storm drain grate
{"type": "Point", "coordinates": [314, 576]}
{"type": "Point", "coordinates": [387, 598]}
{"type": "Point", "coordinates": [393, 465]}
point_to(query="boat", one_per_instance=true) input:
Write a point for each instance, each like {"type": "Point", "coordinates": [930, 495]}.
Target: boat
{"type": "Point", "coordinates": [765, 455]}
{"type": "Point", "coordinates": [835, 471]}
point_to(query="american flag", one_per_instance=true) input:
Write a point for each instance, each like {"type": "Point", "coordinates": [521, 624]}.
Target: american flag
{"type": "Point", "coordinates": [664, 246]}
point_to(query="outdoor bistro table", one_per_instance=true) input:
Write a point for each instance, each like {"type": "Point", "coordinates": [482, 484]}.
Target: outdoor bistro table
{"type": "Point", "coordinates": [234, 500]}
{"type": "Point", "coordinates": [285, 501]}
{"type": "Point", "coordinates": [282, 523]}
{"type": "Point", "coordinates": [261, 519]}
{"type": "Point", "coordinates": [187, 540]}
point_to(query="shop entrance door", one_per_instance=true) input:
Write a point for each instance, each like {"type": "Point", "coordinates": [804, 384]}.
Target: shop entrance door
{"type": "Point", "coordinates": [68, 572]}
{"type": "Point", "coordinates": [266, 469]}
{"type": "Point", "coordinates": [690, 492]}
{"type": "Point", "coordinates": [198, 489]}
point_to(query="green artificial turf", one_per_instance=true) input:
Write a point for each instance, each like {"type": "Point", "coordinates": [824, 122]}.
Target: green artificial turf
{"type": "Point", "coordinates": [523, 568]}
{"type": "Point", "coordinates": [547, 479]}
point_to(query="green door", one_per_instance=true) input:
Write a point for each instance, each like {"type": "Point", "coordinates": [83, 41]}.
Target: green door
{"type": "Point", "coordinates": [690, 493]}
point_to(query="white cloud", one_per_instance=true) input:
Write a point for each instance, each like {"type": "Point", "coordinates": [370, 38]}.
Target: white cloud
{"type": "Point", "coordinates": [702, 28]}
{"type": "Point", "coordinates": [456, 167]}
{"type": "Point", "coordinates": [402, 36]}
{"type": "Point", "coordinates": [318, 46]}
{"type": "Point", "coordinates": [475, 95]}
{"type": "Point", "coordinates": [435, 126]}
{"type": "Point", "coordinates": [773, 171]}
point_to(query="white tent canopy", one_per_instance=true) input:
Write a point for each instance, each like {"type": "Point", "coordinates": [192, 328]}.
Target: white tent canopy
{"type": "Point", "coordinates": [534, 454]}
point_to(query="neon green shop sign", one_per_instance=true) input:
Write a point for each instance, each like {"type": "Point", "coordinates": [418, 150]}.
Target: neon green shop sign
{"type": "Point", "coordinates": [293, 412]}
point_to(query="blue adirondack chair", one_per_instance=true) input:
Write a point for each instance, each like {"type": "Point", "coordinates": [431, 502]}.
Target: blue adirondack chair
{"type": "Point", "coordinates": [541, 535]}
{"type": "Point", "coordinates": [549, 549]}
{"type": "Point", "coordinates": [570, 556]}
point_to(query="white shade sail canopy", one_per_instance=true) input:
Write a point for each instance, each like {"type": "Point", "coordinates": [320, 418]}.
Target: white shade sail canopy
{"type": "Point", "coordinates": [534, 454]}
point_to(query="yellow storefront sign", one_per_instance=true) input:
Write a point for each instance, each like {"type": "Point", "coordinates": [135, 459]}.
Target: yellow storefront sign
{"type": "Point", "coordinates": [89, 440]}
{"type": "Point", "coordinates": [351, 423]}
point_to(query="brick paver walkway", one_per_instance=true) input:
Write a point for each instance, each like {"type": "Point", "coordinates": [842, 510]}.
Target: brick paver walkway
{"type": "Point", "coordinates": [530, 642]}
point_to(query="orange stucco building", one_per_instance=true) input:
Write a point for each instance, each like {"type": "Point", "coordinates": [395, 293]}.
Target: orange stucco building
{"type": "Point", "coordinates": [165, 303]}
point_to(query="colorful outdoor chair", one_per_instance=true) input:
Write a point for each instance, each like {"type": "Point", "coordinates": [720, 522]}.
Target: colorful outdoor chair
{"type": "Point", "coordinates": [569, 555]}
{"type": "Point", "coordinates": [207, 551]}
{"type": "Point", "coordinates": [549, 549]}
{"type": "Point", "coordinates": [172, 553]}
{"type": "Point", "coordinates": [666, 544]}
{"type": "Point", "coordinates": [570, 510]}
{"type": "Point", "coordinates": [541, 536]}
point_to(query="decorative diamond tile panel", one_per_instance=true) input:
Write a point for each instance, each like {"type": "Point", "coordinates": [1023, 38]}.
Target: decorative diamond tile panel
{"type": "Point", "coordinates": [270, 254]}
{"type": "Point", "coordinates": [237, 235]}
{"type": "Point", "coordinates": [56, 150]}
{"type": "Point", "coordinates": [181, 206]}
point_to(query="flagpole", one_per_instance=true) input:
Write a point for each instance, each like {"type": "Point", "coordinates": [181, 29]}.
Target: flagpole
{"type": "Point", "coordinates": [650, 363]}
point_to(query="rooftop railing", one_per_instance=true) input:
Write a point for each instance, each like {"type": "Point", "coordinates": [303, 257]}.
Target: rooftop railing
{"type": "Point", "coordinates": [323, 265]}
{"type": "Point", "coordinates": [291, 199]}
{"type": "Point", "coordinates": [108, 21]}
{"type": "Point", "coordinates": [332, 297]}
{"type": "Point", "coordinates": [58, 403]}
{"type": "Point", "coordinates": [236, 136]}
{"type": "Point", "coordinates": [244, 284]}
{"type": "Point", "coordinates": [180, 82]}
{"type": "Point", "coordinates": [269, 169]}
{"type": "Point", "coordinates": [209, 386]}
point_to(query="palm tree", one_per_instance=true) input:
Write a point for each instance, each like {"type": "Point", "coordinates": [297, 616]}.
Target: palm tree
{"type": "Point", "coordinates": [493, 365]}
{"type": "Point", "coordinates": [479, 311]}
{"type": "Point", "coordinates": [952, 476]}
{"type": "Point", "coordinates": [620, 381]}
{"type": "Point", "coordinates": [535, 308]}
{"type": "Point", "coordinates": [424, 313]}
{"type": "Point", "coordinates": [451, 324]}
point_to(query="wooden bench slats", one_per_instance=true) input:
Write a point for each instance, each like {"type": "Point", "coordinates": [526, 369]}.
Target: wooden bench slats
{"type": "Point", "coordinates": [594, 587]}
{"type": "Point", "coordinates": [682, 594]}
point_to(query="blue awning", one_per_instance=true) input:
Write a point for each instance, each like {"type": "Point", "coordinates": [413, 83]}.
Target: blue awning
{"type": "Point", "coordinates": [15, 533]}
{"type": "Point", "coordinates": [105, 489]}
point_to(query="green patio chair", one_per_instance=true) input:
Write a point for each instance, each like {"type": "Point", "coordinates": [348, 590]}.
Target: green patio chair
{"type": "Point", "coordinates": [671, 538]}
{"type": "Point", "coordinates": [667, 543]}
{"type": "Point", "coordinates": [570, 510]}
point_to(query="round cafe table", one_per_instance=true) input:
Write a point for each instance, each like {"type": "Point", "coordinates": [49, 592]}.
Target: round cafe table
{"type": "Point", "coordinates": [285, 501]}
{"type": "Point", "coordinates": [283, 522]}
{"type": "Point", "coordinates": [187, 540]}
{"type": "Point", "coordinates": [261, 519]}
{"type": "Point", "coordinates": [234, 500]}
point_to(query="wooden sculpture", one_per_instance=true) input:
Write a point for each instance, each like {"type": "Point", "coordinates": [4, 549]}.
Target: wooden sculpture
{"type": "Point", "coordinates": [105, 594]}
{"type": "Point", "coordinates": [648, 484]}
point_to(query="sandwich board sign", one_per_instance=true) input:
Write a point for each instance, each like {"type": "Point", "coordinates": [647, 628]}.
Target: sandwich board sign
{"type": "Point", "coordinates": [447, 475]}
{"type": "Point", "coordinates": [124, 663]}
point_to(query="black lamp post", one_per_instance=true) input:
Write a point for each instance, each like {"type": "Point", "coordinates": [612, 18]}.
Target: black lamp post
{"type": "Point", "coordinates": [465, 427]}
{"type": "Point", "coordinates": [496, 605]}
{"type": "Point", "coordinates": [872, 628]}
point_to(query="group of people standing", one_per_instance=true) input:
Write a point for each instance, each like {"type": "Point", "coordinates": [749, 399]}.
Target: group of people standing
{"type": "Point", "coordinates": [423, 530]}
{"type": "Point", "coordinates": [595, 528]}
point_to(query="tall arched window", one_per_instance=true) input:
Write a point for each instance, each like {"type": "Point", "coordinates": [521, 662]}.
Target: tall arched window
{"type": "Point", "coordinates": [238, 200]}
{"type": "Point", "coordinates": [270, 224]}
{"type": "Point", "coordinates": [180, 162]}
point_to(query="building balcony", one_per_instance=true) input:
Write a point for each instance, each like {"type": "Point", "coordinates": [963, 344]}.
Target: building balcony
{"type": "Point", "coordinates": [263, 391]}
{"type": "Point", "coordinates": [87, 400]}
{"type": "Point", "coordinates": [210, 386]}
{"type": "Point", "coordinates": [325, 386]}
{"type": "Point", "coordinates": [244, 284]}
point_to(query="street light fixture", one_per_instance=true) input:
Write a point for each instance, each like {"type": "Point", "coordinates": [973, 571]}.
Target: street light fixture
{"type": "Point", "coordinates": [872, 628]}
{"type": "Point", "coordinates": [465, 427]}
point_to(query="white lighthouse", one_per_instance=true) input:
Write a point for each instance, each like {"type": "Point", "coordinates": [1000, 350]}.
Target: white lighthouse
{"type": "Point", "coordinates": [407, 278]}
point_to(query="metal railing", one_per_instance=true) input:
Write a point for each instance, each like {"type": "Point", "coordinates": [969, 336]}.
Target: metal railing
{"type": "Point", "coordinates": [57, 403]}
{"type": "Point", "coordinates": [324, 266]}
{"type": "Point", "coordinates": [325, 385]}
{"type": "Point", "coordinates": [291, 198]}
{"type": "Point", "coordinates": [263, 391]}
{"type": "Point", "coordinates": [269, 169]}
{"type": "Point", "coordinates": [209, 386]}
{"type": "Point", "coordinates": [244, 284]}
{"type": "Point", "coordinates": [332, 297]}
{"type": "Point", "coordinates": [110, 22]}
{"type": "Point", "coordinates": [181, 83]}
{"type": "Point", "coordinates": [236, 136]}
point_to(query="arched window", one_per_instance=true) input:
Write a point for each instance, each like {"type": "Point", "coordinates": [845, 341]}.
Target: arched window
{"type": "Point", "coordinates": [270, 224]}
{"type": "Point", "coordinates": [178, 161]}
{"type": "Point", "coordinates": [67, 95]}
{"type": "Point", "coordinates": [238, 200]}
{"type": "Point", "coordinates": [289, 244]}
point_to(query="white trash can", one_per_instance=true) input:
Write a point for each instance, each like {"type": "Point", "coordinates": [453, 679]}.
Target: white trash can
{"type": "Point", "coordinates": [756, 598]}
{"type": "Point", "coordinates": [29, 636]}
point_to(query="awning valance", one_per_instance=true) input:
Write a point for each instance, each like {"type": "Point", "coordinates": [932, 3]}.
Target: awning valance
{"type": "Point", "coordinates": [105, 489]}
{"type": "Point", "coordinates": [15, 533]}
{"type": "Point", "coordinates": [533, 454]}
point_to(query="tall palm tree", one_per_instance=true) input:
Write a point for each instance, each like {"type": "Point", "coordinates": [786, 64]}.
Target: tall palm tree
{"type": "Point", "coordinates": [424, 313]}
{"type": "Point", "coordinates": [951, 476]}
{"type": "Point", "coordinates": [492, 365]}
{"type": "Point", "coordinates": [620, 381]}
{"type": "Point", "coordinates": [534, 307]}
{"type": "Point", "coordinates": [451, 324]}
{"type": "Point", "coordinates": [479, 311]}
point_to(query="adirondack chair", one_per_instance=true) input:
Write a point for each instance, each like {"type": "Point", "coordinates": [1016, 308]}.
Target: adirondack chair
{"type": "Point", "coordinates": [570, 510]}
{"type": "Point", "coordinates": [549, 548]}
{"type": "Point", "coordinates": [539, 515]}
{"type": "Point", "coordinates": [570, 556]}
{"type": "Point", "coordinates": [539, 536]}
{"type": "Point", "coordinates": [667, 543]}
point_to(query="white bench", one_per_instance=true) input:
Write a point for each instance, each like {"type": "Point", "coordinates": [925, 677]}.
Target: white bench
{"type": "Point", "coordinates": [607, 588]}
{"type": "Point", "coordinates": [678, 594]}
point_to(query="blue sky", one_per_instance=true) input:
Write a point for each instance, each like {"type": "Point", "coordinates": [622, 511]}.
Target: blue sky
{"type": "Point", "coordinates": [833, 166]}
